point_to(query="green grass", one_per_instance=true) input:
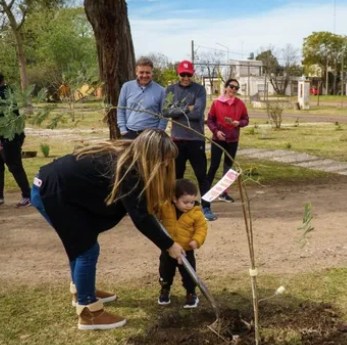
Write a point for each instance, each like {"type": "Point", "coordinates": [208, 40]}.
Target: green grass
{"type": "Point", "coordinates": [90, 115]}
{"type": "Point", "coordinates": [263, 171]}
{"type": "Point", "coordinates": [326, 140]}
{"type": "Point", "coordinates": [43, 314]}
{"type": "Point", "coordinates": [330, 98]}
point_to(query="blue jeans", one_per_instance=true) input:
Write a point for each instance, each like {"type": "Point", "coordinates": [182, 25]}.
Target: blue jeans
{"type": "Point", "coordinates": [83, 273]}
{"type": "Point", "coordinates": [83, 268]}
{"type": "Point", "coordinates": [36, 201]}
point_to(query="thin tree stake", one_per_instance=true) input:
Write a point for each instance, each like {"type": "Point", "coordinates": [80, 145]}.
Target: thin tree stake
{"type": "Point", "coordinates": [249, 232]}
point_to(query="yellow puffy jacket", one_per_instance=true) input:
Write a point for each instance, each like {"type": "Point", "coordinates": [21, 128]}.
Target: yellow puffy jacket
{"type": "Point", "coordinates": [191, 226]}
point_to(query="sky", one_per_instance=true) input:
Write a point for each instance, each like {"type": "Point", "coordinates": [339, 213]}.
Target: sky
{"type": "Point", "coordinates": [234, 28]}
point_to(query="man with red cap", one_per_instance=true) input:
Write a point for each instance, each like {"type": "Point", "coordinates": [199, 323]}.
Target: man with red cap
{"type": "Point", "coordinates": [186, 103]}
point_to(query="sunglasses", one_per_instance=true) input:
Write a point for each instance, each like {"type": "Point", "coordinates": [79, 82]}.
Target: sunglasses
{"type": "Point", "coordinates": [234, 87]}
{"type": "Point", "coordinates": [183, 75]}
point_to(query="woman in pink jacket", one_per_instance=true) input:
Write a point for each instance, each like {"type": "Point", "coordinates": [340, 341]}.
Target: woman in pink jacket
{"type": "Point", "coordinates": [227, 114]}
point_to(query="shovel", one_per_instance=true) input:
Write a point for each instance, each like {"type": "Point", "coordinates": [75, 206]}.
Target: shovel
{"type": "Point", "coordinates": [214, 327]}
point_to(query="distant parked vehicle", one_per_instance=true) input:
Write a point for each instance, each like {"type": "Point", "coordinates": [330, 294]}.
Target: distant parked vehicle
{"type": "Point", "coordinates": [315, 91]}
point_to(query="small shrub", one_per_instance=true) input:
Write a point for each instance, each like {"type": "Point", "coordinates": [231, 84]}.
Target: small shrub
{"type": "Point", "coordinates": [338, 128]}
{"type": "Point", "coordinates": [251, 131]}
{"type": "Point", "coordinates": [45, 150]}
{"type": "Point", "coordinates": [274, 112]}
{"type": "Point", "coordinates": [288, 145]}
{"type": "Point", "coordinates": [297, 123]}
{"type": "Point", "coordinates": [251, 171]}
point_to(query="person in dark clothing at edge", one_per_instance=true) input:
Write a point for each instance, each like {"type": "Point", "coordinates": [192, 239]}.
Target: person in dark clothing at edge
{"type": "Point", "coordinates": [11, 155]}
{"type": "Point", "coordinates": [188, 108]}
{"type": "Point", "coordinates": [90, 191]}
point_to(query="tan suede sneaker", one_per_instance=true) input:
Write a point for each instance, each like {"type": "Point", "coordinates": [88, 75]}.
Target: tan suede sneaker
{"type": "Point", "coordinates": [94, 317]}
{"type": "Point", "coordinates": [101, 295]}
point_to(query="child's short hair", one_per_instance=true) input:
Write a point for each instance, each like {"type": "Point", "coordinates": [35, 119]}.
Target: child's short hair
{"type": "Point", "coordinates": [185, 187]}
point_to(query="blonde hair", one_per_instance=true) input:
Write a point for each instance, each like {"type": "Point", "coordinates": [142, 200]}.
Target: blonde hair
{"type": "Point", "coordinates": [152, 154]}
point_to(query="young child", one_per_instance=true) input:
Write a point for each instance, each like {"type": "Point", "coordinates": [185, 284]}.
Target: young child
{"type": "Point", "coordinates": [185, 222]}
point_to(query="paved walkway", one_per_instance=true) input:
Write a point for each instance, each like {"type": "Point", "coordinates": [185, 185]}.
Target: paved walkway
{"type": "Point", "coordinates": [303, 160]}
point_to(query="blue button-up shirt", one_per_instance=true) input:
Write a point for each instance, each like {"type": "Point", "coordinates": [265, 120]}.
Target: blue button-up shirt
{"type": "Point", "coordinates": [139, 98]}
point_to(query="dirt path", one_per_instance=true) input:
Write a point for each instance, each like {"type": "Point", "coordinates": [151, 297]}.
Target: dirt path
{"type": "Point", "coordinates": [31, 252]}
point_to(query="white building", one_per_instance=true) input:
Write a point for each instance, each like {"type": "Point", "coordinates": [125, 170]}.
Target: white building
{"type": "Point", "coordinates": [253, 81]}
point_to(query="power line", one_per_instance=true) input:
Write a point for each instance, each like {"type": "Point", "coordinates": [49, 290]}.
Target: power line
{"type": "Point", "coordinates": [220, 50]}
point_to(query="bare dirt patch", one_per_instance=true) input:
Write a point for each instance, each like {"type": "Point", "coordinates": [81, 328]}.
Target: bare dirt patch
{"type": "Point", "coordinates": [33, 253]}
{"type": "Point", "coordinates": [308, 324]}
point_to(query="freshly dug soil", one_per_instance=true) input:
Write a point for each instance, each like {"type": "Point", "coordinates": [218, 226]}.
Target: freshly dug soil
{"type": "Point", "coordinates": [312, 324]}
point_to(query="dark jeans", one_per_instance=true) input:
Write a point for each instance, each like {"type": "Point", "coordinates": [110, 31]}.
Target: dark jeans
{"type": "Point", "coordinates": [131, 134]}
{"type": "Point", "coordinates": [11, 155]}
{"type": "Point", "coordinates": [194, 151]}
{"type": "Point", "coordinates": [83, 268]}
{"type": "Point", "coordinates": [216, 156]}
{"type": "Point", "coordinates": [167, 270]}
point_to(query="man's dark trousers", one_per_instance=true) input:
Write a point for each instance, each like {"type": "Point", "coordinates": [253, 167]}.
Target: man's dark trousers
{"type": "Point", "coordinates": [11, 155]}
{"type": "Point", "coordinates": [194, 152]}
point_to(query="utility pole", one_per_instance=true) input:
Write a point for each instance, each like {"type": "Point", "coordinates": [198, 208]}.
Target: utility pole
{"type": "Point", "coordinates": [249, 83]}
{"type": "Point", "coordinates": [342, 72]}
{"type": "Point", "coordinates": [326, 78]}
{"type": "Point", "coordinates": [342, 76]}
{"type": "Point", "coordinates": [192, 51]}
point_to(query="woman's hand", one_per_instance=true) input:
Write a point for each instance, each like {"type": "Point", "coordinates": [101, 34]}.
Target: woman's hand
{"type": "Point", "coordinates": [221, 136]}
{"type": "Point", "coordinates": [176, 252]}
{"type": "Point", "coordinates": [235, 123]}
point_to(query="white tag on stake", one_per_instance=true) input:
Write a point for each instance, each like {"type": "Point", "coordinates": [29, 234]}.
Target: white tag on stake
{"type": "Point", "coordinates": [253, 273]}
{"type": "Point", "coordinates": [219, 188]}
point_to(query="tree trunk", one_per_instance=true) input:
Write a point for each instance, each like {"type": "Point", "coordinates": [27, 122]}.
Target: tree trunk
{"type": "Point", "coordinates": [19, 42]}
{"type": "Point", "coordinates": [109, 19]}
{"type": "Point", "coordinates": [22, 62]}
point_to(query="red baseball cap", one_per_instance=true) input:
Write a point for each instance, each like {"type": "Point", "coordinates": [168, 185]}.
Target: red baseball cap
{"type": "Point", "coordinates": [185, 66]}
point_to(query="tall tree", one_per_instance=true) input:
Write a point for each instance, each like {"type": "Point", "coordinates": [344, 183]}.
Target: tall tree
{"type": "Point", "coordinates": [279, 74]}
{"type": "Point", "coordinates": [8, 57]}
{"type": "Point", "coordinates": [323, 49]}
{"type": "Point", "coordinates": [208, 65]}
{"type": "Point", "coordinates": [270, 65]}
{"type": "Point", "coordinates": [15, 13]}
{"type": "Point", "coordinates": [164, 72]}
{"type": "Point", "coordinates": [60, 47]}
{"type": "Point", "coordinates": [109, 19]}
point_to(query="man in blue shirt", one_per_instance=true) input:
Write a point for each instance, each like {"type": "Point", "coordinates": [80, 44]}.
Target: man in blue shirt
{"type": "Point", "coordinates": [139, 96]}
